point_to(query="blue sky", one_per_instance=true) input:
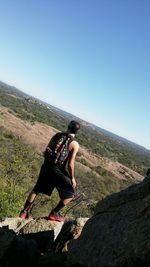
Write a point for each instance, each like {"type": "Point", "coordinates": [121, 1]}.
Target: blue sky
{"type": "Point", "coordinates": [88, 57]}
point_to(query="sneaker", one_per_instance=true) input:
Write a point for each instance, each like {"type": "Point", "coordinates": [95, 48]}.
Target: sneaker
{"type": "Point", "coordinates": [29, 217]}
{"type": "Point", "coordinates": [55, 216]}
{"type": "Point", "coordinates": [25, 215]}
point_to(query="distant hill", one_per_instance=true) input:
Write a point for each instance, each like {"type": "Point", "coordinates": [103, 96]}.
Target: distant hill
{"type": "Point", "coordinates": [98, 140]}
{"type": "Point", "coordinates": [119, 139]}
{"type": "Point", "coordinates": [123, 140]}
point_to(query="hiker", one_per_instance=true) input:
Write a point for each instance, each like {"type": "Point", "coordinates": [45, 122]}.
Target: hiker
{"type": "Point", "coordinates": [59, 155]}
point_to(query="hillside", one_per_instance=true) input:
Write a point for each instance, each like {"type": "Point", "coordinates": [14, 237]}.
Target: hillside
{"type": "Point", "coordinates": [27, 125]}
{"type": "Point", "coordinates": [38, 135]}
{"type": "Point", "coordinates": [97, 140]}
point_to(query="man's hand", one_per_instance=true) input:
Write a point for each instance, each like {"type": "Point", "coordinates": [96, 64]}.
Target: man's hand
{"type": "Point", "coordinates": [74, 183]}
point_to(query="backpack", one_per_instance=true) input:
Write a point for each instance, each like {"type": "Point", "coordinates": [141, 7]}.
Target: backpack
{"type": "Point", "coordinates": [57, 150]}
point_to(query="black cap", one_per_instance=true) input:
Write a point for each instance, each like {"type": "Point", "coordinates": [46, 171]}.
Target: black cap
{"type": "Point", "coordinates": [74, 126]}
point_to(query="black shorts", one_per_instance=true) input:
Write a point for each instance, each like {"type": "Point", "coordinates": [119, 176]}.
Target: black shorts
{"type": "Point", "coordinates": [51, 176]}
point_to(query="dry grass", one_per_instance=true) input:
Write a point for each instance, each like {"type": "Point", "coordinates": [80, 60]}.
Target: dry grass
{"type": "Point", "coordinates": [37, 134]}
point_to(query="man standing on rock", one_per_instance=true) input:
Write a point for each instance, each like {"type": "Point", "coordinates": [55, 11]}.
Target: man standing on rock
{"type": "Point", "coordinates": [61, 150]}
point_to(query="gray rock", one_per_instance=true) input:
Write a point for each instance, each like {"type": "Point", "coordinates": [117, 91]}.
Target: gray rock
{"type": "Point", "coordinates": [118, 234]}
{"type": "Point", "coordinates": [6, 240]}
{"type": "Point", "coordinates": [71, 230]}
{"type": "Point", "coordinates": [25, 226]}
{"type": "Point", "coordinates": [14, 223]}
{"type": "Point", "coordinates": [15, 251]}
{"type": "Point", "coordinates": [41, 225]}
{"type": "Point", "coordinates": [33, 243]}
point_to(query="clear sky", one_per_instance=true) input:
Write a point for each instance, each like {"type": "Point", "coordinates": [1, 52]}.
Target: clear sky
{"type": "Point", "coordinates": [87, 57]}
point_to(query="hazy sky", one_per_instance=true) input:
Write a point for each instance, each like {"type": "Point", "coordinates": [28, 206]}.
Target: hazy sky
{"type": "Point", "coordinates": [88, 57]}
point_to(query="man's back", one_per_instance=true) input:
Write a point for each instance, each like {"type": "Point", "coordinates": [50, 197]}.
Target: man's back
{"type": "Point", "coordinates": [58, 149]}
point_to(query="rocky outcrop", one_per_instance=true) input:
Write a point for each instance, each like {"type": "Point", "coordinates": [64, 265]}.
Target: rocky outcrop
{"type": "Point", "coordinates": [15, 251]}
{"type": "Point", "coordinates": [118, 234]}
{"type": "Point", "coordinates": [15, 224]}
{"type": "Point", "coordinates": [41, 225]}
{"type": "Point", "coordinates": [71, 230]}
{"type": "Point", "coordinates": [36, 242]}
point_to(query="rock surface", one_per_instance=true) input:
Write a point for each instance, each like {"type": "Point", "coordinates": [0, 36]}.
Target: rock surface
{"type": "Point", "coordinates": [71, 230]}
{"type": "Point", "coordinates": [15, 224]}
{"type": "Point", "coordinates": [118, 234]}
{"type": "Point", "coordinates": [41, 225]}
{"type": "Point", "coordinates": [36, 242]}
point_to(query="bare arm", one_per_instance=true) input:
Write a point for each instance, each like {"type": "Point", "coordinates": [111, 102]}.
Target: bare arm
{"type": "Point", "coordinates": [74, 147]}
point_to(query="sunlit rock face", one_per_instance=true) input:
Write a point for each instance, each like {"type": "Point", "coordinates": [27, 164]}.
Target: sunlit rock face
{"type": "Point", "coordinates": [118, 234]}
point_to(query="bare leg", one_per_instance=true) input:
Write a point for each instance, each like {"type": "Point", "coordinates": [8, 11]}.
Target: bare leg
{"type": "Point", "coordinates": [32, 196]}
{"type": "Point", "coordinates": [66, 201]}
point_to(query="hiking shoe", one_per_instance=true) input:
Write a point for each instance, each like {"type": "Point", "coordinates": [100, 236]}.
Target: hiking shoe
{"type": "Point", "coordinates": [29, 217]}
{"type": "Point", "coordinates": [25, 215]}
{"type": "Point", "coordinates": [55, 216]}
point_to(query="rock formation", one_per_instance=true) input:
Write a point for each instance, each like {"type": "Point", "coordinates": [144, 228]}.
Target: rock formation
{"type": "Point", "coordinates": [37, 242]}
{"type": "Point", "coordinates": [117, 235]}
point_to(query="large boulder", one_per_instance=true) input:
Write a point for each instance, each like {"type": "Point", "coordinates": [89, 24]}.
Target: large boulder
{"type": "Point", "coordinates": [118, 234]}
{"type": "Point", "coordinates": [37, 241]}
{"type": "Point", "coordinates": [15, 251]}
{"type": "Point", "coordinates": [71, 230]}
{"type": "Point", "coordinates": [6, 240]}
{"type": "Point", "coordinates": [15, 224]}
{"type": "Point", "coordinates": [42, 225]}
{"type": "Point", "coordinates": [43, 231]}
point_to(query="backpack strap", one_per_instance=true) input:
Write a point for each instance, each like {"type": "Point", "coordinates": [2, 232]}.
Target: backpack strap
{"type": "Point", "coordinates": [69, 138]}
{"type": "Point", "coordinates": [54, 149]}
{"type": "Point", "coordinates": [62, 144]}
